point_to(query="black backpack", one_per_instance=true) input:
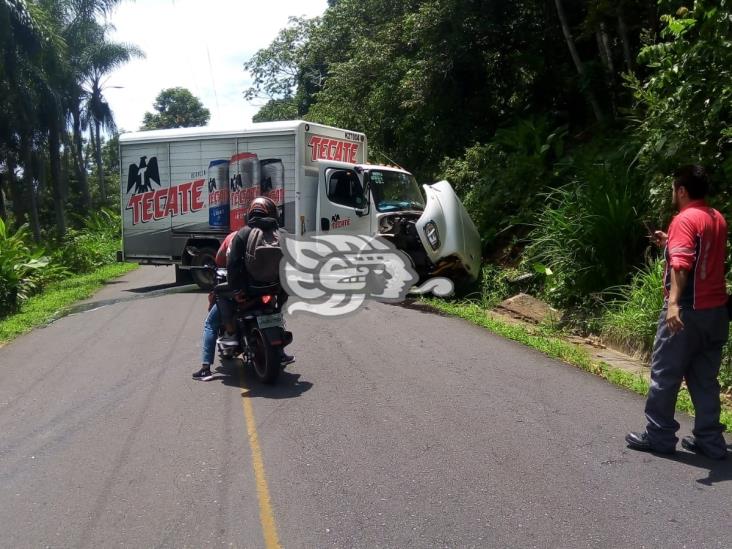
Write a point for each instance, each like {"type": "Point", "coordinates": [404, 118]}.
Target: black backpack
{"type": "Point", "coordinates": [263, 255]}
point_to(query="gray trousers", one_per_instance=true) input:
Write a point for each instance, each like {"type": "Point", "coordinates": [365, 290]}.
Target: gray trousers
{"type": "Point", "coordinates": [694, 354]}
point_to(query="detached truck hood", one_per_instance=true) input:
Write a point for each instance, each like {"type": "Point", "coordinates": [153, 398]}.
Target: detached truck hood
{"type": "Point", "coordinates": [446, 230]}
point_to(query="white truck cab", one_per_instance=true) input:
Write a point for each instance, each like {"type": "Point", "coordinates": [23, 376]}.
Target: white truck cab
{"type": "Point", "coordinates": [432, 227]}
{"type": "Point", "coordinates": [190, 187]}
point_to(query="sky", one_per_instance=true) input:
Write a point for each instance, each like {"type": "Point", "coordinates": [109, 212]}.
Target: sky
{"type": "Point", "coordinates": [196, 44]}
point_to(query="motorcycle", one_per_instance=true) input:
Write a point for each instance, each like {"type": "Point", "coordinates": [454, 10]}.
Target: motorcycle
{"type": "Point", "coordinates": [261, 334]}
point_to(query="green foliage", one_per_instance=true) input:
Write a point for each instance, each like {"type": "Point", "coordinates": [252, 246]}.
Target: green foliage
{"type": "Point", "coordinates": [498, 283]}
{"type": "Point", "coordinates": [20, 268]}
{"type": "Point", "coordinates": [277, 69]}
{"type": "Point", "coordinates": [589, 234]}
{"type": "Point", "coordinates": [25, 270]}
{"type": "Point", "coordinates": [500, 182]}
{"type": "Point", "coordinates": [277, 109]}
{"type": "Point", "coordinates": [176, 108]}
{"type": "Point", "coordinates": [94, 245]}
{"type": "Point", "coordinates": [685, 103]}
{"type": "Point", "coordinates": [632, 316]}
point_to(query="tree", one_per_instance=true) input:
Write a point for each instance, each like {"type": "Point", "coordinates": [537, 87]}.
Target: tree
{"type": "Point", "coordinates": [103, 58]}
{"type": "Point", "coordinates": [176, 108]}
{"type": "Point", "coordinates": [684, 103]}
{"type": "Point", "coordinates": [277, 109]}
{"type": "Point", "coordinates": [576, 59]}
{"type": "Point", "coordinates": [283, 73]}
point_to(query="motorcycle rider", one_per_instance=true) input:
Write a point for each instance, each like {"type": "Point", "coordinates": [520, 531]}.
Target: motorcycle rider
{"type": "Point", "coordinates": [262, 213]}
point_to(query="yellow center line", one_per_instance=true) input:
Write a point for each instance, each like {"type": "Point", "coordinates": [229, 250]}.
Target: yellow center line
{"type": "Point", "coordinates": [266, 516]}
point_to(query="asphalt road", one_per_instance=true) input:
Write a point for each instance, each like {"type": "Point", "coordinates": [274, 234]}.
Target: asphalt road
{"type": "Point", "coordinates": [394, 428]}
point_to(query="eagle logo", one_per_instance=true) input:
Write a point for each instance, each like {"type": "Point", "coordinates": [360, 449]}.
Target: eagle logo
{"type": "Point", "coordinates": [140, 175]}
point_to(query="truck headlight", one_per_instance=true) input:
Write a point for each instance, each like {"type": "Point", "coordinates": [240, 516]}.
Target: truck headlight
{"type": "Point", "coordinates": [433, 237]}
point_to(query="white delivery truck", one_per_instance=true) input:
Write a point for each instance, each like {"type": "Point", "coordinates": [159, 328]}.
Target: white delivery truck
{"type": "Point", "coordinates": [188, 188]}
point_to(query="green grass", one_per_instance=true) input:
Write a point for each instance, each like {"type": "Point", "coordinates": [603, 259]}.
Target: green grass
{"type": "Point", "coordinates": [550, 343]}
{"type": "Point", "coordinates": [56, 298]}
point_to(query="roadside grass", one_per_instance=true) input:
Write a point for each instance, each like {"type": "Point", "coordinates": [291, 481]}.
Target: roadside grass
{"type": "Point", "coordinates": [547, 341]}
{"type": "Point", "coordinates": [57, 297]}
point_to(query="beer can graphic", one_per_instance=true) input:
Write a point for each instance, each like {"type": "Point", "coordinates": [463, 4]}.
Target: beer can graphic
{"type": "Point", "coordinates": [273, 183]}
{"type": "Point", "coordinates": [273, 175]}
{"type": "Point", "coordinates": [218, 193]}
{"type": "Point", "coordinates": [244, 185]}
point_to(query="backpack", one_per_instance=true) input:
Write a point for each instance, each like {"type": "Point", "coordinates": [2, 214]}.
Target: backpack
{"type": "Point", "coordinates": [263, 255]}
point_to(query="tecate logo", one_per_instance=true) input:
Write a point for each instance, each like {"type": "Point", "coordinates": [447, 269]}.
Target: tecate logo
{"type": "Point", "coordinates": [325, 148]}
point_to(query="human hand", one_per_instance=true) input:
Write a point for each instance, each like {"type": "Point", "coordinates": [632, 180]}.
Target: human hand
{"type": "Point", "coordinates": [673, 318]}
{"type": "Point", "coordinates": [659, 238]}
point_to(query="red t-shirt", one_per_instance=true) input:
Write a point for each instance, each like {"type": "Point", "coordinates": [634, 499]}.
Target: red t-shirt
{"type": "Point", "coordinates": [697, 242]}
{"type": "Point", "coordinates": [224, 250]}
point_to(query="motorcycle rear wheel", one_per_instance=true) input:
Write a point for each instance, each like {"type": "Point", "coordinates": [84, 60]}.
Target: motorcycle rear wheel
{"type": "Point", "coordinates": [266, 359]}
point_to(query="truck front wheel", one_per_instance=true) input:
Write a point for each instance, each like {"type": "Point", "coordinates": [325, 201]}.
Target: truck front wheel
{"type": "Point", "coordinates": [204, 278]}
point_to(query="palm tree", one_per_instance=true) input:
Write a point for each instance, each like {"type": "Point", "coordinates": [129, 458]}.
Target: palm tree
{"type": "Point", "coordinates": [104, 57]}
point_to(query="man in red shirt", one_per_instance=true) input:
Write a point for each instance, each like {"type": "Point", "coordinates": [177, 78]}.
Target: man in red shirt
{"type": "Point", "coordinates": [693, 325]}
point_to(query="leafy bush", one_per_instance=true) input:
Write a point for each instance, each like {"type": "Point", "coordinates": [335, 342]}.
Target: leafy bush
{"type": "Point", "coordinates": [25, 270]}
{"type": "Point", "coordinates": [590, 233]}
{"type": "Point", "coordinates": [20, 268]}
{"type": "Point", "coordinates": [95, 245]}
{"type": "Point", "coordinates": [499, 183]}
{"type": "Point", "coordinates": [631, 318]}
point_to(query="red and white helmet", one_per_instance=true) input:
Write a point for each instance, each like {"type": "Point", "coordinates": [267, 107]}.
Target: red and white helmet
{"type": "Point", "coordinates": [262, 206]}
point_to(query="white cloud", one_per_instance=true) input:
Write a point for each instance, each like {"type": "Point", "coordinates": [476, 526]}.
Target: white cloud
{"type": "Point", "coordinates": [197, 44]}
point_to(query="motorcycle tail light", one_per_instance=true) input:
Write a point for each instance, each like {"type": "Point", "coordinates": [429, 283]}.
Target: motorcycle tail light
{"type": "Point", "coordinates": [266, 299]}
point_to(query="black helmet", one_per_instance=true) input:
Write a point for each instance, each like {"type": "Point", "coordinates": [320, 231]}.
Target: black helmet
{"type": "Point", "coordinates": [262, 206]}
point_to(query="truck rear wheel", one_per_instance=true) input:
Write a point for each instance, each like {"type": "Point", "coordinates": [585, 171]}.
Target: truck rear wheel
{"type": "Point", "coordinates": [205, 257]}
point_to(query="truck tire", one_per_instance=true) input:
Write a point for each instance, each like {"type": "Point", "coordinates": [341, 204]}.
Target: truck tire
{"type": "Point", "coordinates": [205, 257]}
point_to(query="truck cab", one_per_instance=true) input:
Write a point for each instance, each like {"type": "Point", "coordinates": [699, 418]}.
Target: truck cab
{"type": "Point", "coordinates": [387, 201]}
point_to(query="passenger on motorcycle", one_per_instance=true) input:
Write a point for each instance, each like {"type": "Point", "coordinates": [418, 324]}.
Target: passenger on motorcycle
{"type": "Point", "coordinates": [213, 319]}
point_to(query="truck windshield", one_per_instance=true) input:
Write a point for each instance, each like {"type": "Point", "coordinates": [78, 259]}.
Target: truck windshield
{"type": "Point", "coordinates": [395, 191]}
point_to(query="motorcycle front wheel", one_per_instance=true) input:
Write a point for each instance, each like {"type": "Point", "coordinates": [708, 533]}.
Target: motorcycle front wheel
{"type": "Point", "coordinates": [266, 359]}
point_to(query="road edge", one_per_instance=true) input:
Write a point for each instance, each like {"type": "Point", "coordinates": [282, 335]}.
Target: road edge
{"type": "Point", "coordinates": [554, 346]}
{"type": "Point", "coordinates": [57, 298]}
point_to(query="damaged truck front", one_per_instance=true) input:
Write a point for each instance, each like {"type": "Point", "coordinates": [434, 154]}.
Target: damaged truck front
{"type": "Point", "coordinates": [432, 227]}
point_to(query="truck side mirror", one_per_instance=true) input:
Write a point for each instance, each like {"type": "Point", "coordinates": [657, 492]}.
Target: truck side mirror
{"type": "Point", "coordinates": [363, 206]}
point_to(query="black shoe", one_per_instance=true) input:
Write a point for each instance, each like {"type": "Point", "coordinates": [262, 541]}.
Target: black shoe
{"type": "Point", "coordinates": [689, 443]}
{"type": "Point", "coordinates": [640, 442]}
{"type": "Point", "coordinates": [204, 374]}
{"type": "Point", "coordinates": [286, 359]}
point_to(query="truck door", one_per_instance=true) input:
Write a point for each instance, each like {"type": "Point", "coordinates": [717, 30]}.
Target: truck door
{"type": "Point", "coordinates": [343, 206]}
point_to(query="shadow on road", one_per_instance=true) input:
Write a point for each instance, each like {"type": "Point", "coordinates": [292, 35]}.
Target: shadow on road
{"type": "Point", "coordinates": [417, 305]}
{"type": "Point", "coordinates": [717, 471]}
{"type": "Point", "coordinates": [288, 385]}
{"type": "Point", "coordinates": [158, 288]}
